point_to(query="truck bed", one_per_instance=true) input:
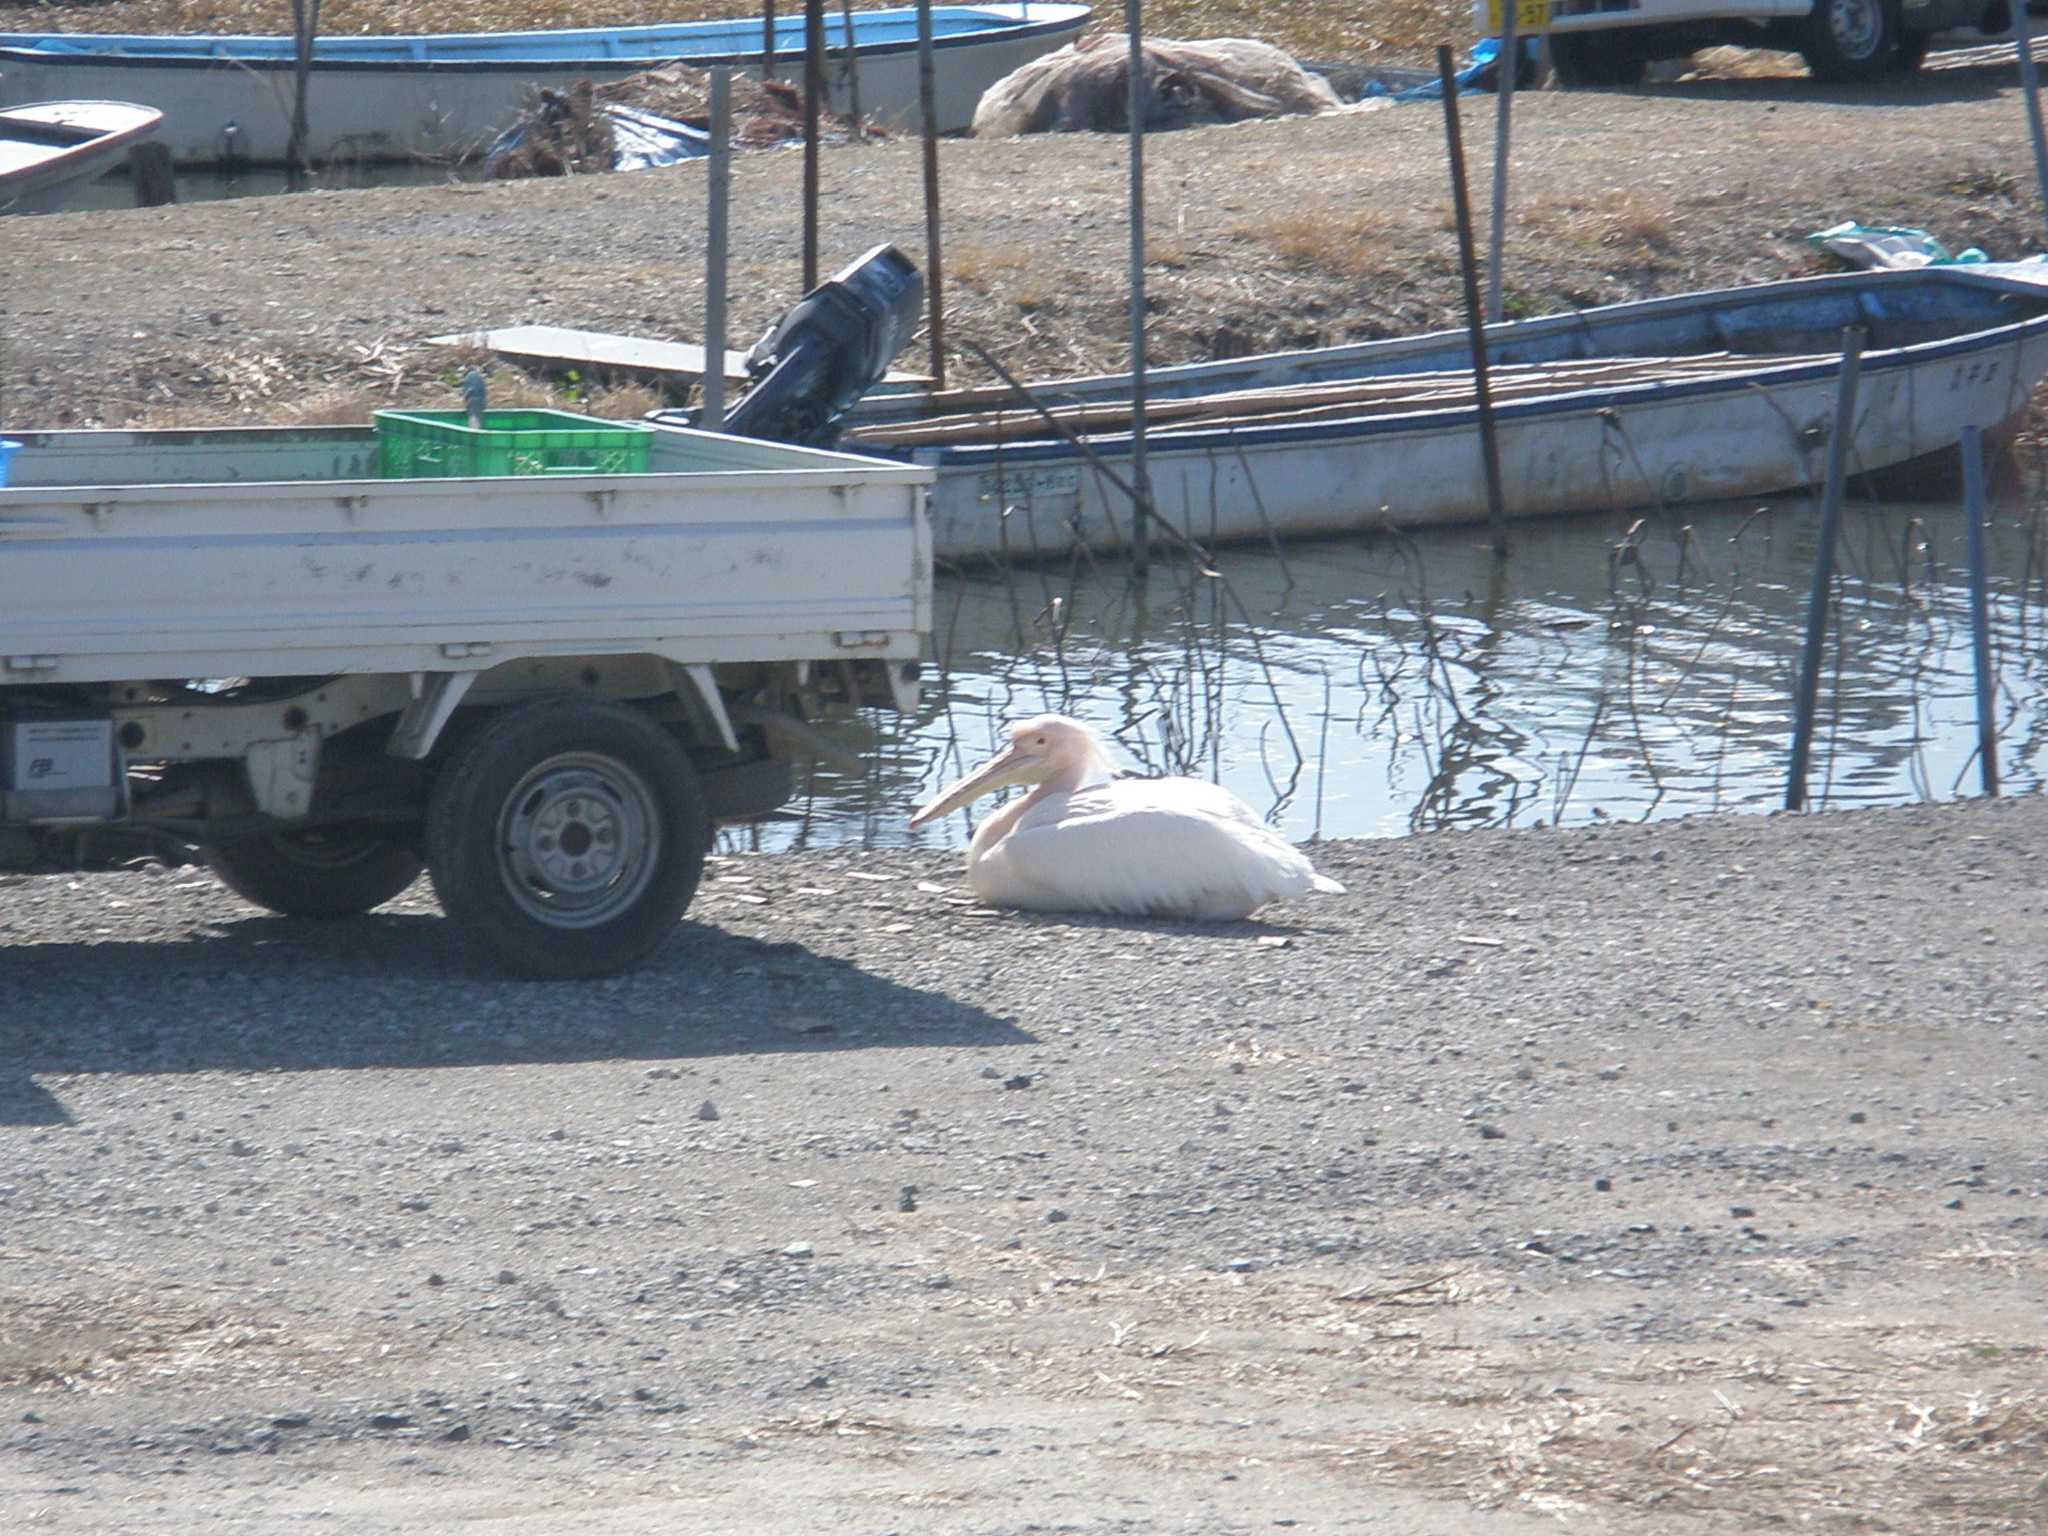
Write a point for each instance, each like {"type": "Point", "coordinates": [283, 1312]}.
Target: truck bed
{"type": "Point", "coordinates": [277, 551]}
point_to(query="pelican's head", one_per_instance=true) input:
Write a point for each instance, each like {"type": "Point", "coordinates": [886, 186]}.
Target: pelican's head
{"type": "Point", "coordinates": [1046, 749]}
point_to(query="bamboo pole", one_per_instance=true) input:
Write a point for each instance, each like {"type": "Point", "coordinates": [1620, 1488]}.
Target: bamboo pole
{"type": "Point", "coordinates": [712, 417]}
{"type": "Point", "coordinates": [1507, 65]}
{"type": "Point", "coordinates": [1141, 483]}
{"type": "Point", "coordinates": [814, 88]}
{"type": "Point", "coordinates": [927, 105]}
{"type": "Point", "coordinates": [1974, 513]}
{"type": "Point", "coordinates": [1489, 447]}
{"type": "Point", "coordinates": [1823, 571]}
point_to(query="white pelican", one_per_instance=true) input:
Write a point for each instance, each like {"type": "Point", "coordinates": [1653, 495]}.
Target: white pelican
{"type": "Point", "coordinates": [1083, 841]}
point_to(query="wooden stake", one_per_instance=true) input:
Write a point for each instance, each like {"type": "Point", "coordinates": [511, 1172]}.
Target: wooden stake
{"type": "Point", "coordinates": [1823, 570]}
{"type": "Point", "coordinates": [1475, 324]}
{"type": "Point", "coordinates": [927, 103]}
{"type": "Point", "coordinates": [719, 184]}
{"type": "Point", "coordinates": [767, 39]}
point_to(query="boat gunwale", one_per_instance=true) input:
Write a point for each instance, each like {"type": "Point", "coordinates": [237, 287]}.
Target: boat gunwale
{"type": "Point", "coordinates": [910, 402]}
{"type": "Point", "coordinates": [1069, 17]}
{"type": "Point", "coordinates": [1173, 439]}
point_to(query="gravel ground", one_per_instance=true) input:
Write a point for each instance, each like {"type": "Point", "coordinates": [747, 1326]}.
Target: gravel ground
{"type": "Point", "coordinates": [1683, 1178]}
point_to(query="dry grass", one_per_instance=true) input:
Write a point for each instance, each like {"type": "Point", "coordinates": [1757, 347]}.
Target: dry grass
{"type": "Point", "coordinates": [1389, 32]}
{"type": "Point", "coordinates": [1619, 219]}
{"type": "Point", "coordinates": [1348, 242]}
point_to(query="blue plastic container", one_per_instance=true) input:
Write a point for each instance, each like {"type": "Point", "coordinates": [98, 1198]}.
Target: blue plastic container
{"type": "Point", "coordinates": [7, 447]}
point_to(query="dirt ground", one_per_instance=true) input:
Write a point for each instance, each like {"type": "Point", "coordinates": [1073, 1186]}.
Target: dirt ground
{"type": "Point", "coordinates": [1262, 235]}
{"type": "Point", "coordinates": [1683, 1178]}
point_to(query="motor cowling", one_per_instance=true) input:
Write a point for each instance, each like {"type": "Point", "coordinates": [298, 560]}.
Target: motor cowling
{"type": "Point", "coordinates": [825, 353]}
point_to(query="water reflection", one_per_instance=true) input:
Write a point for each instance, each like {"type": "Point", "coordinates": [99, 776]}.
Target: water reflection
{"type": "Point", "coordinates": [1612, 667]}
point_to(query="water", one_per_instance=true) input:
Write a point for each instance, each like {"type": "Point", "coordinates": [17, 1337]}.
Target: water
{"type": "Point", "coordinates": [117, 190]}
{"type": "Point", "coordinates": [1371, 687]}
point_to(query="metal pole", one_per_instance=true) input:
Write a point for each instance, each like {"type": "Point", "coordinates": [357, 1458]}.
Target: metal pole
{"type": "Point", "coordinates": [1823, 570]}
{"type": "Point", "coordinates": [767, 39]}
{"type": "Point", "coordinates": [2031, 84]}
{"type": "Point", "coordinates": [1489, 448]}
{"type": "Point", "coordinates": [814, 88]}
{"type": "Point", "coordinates": [927, 103]}
{"type": "Point", "coordinates": [1975, 512]}
{"type": "Point", "coordinates": [1141, 484]}
{"type": "Point", "coordinates": [1507, 65]}
{"type": "Point", "coordinates": [712, 417]}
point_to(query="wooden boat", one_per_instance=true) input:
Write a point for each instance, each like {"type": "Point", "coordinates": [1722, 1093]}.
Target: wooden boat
{"type": "Point", "coordinates": [446, 95]}
{"type": "Point", "coordinates": [1700, 397]}
{"type": "Point", "coordinates": [49, 149]}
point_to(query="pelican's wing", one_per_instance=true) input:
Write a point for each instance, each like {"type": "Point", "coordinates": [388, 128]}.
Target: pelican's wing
{"type": "Point", "coordinates": [1167, 847]}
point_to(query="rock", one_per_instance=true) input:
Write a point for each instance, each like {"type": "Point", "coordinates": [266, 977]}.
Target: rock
{"type": "Point", "coordinates": [707, 1111]}
{"type": "Point", "coordinates": [798, 1251]}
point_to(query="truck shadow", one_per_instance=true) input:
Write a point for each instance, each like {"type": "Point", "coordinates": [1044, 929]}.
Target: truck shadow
{"type": "Point", "coordinates": [389, 990]}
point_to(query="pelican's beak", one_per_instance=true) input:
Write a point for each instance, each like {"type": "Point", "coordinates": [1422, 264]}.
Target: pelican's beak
{"type": "Point", "coordinates": [1011, 766]}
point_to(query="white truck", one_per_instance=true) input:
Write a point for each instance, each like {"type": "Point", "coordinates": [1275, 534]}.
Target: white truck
{"type": "Point", "coordinates": [1612, 42]}
{"type": "Point", "coordinates": [246, 647]}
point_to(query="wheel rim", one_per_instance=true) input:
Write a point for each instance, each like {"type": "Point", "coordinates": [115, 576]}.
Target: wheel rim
{"type": "Point", "coordinates": [1857, 27]}
{"type": "Point", "coordinates": [579, 840]}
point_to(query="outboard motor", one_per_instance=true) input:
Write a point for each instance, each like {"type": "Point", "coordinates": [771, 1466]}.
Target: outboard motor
{"type": "Point", "coordinates": [827, 352]}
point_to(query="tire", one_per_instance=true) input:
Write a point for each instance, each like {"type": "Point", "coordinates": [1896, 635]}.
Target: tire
{"type": "Point", "coordinates": [566, 837]}
{"type": "Point", "coordinates": [1596, 58]}
{"type": "Point", "coordinates": [1851, 42]}
{"type": "Point", "coordinates": [324, 872]}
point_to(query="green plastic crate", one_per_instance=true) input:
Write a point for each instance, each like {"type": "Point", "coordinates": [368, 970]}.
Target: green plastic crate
{"type": "Point", "coordinates": [423, 445]}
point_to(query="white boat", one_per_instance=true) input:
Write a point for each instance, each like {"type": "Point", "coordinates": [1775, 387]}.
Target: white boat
{"type": "Point", "coordinates": [1698, 397]}
{"type": "Point", "coordinates": [49, 149]}
{"type": "Point", "coordinates": [447, 95]}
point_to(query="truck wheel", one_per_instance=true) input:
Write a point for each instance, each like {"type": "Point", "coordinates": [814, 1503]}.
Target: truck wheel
{"type": "Point", "coordinates": [566, 837]}
{"type": "Point", "coordinates": [320, 872]}
{"type": "Point", "coordinates": [1851, 42]}
{"type": "Point", "coordinates": [1596, 58]}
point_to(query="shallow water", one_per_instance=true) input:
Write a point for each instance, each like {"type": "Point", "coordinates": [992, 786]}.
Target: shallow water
{"type": "Point", "coordinates": [1369, 687]}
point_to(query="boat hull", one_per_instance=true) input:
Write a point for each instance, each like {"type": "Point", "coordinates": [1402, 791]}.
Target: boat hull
{"type": "Point", "coordinates": [1660, 441]}
{"type": "Point", "coordinates": [49, 149]}
{"type": "Point", "coordinates": [446, 97]}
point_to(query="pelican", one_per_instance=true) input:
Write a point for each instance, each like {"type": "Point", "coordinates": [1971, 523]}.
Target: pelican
{"type": "Point", "coordinates": [1084, 841]}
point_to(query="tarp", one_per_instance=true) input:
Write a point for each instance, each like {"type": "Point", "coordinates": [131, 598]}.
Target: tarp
{"type": "Point", "coordinates": [1085, 87]}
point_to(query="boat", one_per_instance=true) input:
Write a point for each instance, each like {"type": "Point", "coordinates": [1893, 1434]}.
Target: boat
{"type": "Point", "coordinates": [49, 149]}
{"type": "Point", "coordinates": [1704, 396]}
{"type": "Point", "coordinates": [228, 100]}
